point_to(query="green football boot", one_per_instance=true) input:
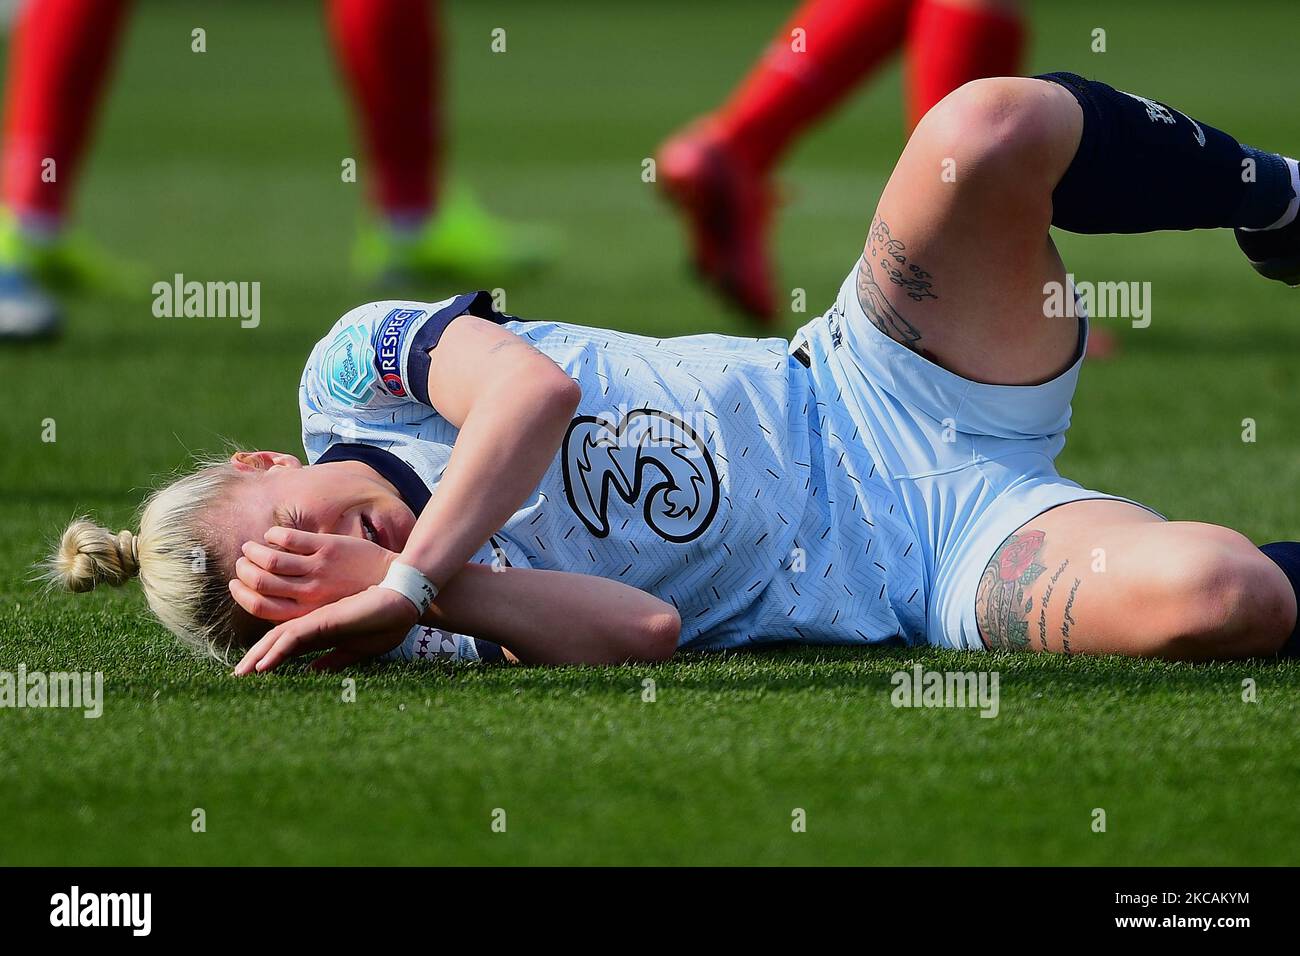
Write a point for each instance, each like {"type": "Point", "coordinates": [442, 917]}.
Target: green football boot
{"type": "Point", "coordinates": [461, 241]}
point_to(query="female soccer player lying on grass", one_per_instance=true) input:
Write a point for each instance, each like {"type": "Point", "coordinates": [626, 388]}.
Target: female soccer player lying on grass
{"type": "Point", "coordinates": [887, 475]}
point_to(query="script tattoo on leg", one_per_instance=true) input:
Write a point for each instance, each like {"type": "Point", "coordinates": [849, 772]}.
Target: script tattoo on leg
{"type": "Point", "coordinates": [889, 256]}
{"type": "Point", "coordinates": [1068, 620]}
{"type": "Point", "coordinates": [1002, 601]}
{"type": "Point", "coordinates": [1047, 597]}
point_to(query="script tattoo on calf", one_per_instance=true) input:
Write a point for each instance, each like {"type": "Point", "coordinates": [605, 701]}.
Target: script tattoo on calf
{"type": "Point", "coordinates": [1002, 602]}
{"type": "Point", "coordinates": [889, 255]}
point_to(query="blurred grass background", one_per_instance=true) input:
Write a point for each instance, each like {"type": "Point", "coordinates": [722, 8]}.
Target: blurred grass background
{"type": "Point", "coordinates": [225, 165]}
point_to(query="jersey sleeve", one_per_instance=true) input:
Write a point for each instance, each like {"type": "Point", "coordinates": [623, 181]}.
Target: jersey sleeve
{"type": "Point", "coordinates": [430, 644]}
{"type": "Point", "coordinates": [377, 355]}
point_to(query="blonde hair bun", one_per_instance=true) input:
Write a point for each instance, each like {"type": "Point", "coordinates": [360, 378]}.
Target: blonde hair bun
{"type": "Point", "coordinates": [89, 555]}
{"type": "Point", "coordinates": [182, 554]}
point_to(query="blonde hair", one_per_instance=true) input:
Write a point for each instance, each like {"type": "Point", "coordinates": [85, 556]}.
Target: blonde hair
{"type": "Point", "coordinates": [182, 565]}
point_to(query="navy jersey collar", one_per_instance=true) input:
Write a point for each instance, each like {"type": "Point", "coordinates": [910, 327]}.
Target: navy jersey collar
{"type": "Point", "coordinates": [393, 470]}
{"type": "Point", "coordinates": [430, 333]}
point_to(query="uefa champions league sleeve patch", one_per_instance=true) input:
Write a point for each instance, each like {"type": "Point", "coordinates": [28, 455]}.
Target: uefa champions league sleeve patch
{"type": "Point", "coordinates": [348, 368]}
{"type": "Point", "coordinates": [388, 342]}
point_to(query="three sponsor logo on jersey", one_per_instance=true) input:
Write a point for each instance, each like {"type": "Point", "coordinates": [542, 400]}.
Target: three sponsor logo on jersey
{"type": "Point", "coordinates": [648, 458]}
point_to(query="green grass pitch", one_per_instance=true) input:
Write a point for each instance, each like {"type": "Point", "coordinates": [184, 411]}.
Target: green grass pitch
{"type": "Point", "coordinates": [226, 165]}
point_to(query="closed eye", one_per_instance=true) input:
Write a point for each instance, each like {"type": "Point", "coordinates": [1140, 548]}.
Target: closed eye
{"type": "Point", "coordinates": [286, 517]}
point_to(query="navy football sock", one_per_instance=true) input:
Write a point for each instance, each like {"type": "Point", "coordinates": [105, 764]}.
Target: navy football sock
{"type": "Point", "coordinates": [1142, 166]}
{"type": "Point", "coordinates": [1286, 555]}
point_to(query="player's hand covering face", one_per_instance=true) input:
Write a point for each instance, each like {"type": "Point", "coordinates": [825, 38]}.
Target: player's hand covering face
{"type": "Point", "coordinates": [357, 627]}
{"type": "Point", "coordinates": [306, 537]}
{"type": "Point", "coordinates": [293, 572]}
{"type": "Point", "coordinates": [344, 497]}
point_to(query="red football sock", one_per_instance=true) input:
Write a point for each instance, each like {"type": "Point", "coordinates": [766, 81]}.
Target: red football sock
{"type": "Point", "coordinates": [59, 61]}
{"type": "Point", "coordinates": [386, 51]}
{"type": "Point", "coordinates": [950, 45]}
{"type": "Point", "coordinates": [789, 90]}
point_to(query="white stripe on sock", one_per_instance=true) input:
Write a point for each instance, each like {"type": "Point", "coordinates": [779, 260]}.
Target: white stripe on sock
{"type": "Point", "coordinates": [1288, 217]}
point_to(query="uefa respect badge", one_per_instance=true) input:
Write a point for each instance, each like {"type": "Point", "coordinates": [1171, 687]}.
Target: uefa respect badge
{"type": "Point", "coordinates": [349, 369]}
{"type": "Point", "coordinates": [387, 342]}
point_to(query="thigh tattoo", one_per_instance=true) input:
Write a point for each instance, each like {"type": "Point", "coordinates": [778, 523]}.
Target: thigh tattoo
{"type": "Point", "coordinates": [1004, 606]}
{"type": "Point", "coordinates": [887, 257]}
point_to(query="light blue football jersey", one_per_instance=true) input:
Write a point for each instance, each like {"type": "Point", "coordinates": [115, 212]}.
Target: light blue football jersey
{"type": "Point", "coordinates": [703, 469]}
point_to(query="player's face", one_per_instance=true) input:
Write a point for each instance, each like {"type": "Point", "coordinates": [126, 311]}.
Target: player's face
{"type": "Point", "coordinates": [339, 498]}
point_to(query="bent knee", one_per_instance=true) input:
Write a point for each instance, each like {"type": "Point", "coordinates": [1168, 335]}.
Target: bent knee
{"type": "Point", "coordinates": [1005, 132]}
{"type": "Point", "coordinates": [1221, 599]}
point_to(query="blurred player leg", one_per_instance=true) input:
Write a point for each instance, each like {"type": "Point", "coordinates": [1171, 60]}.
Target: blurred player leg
{"type": "Point", "coordinates": [821, 54]}
{"type": "Point", "coordinates": [951, 42]}
{"type": "Point", "coordinates": [59, 61]}
{"type": "Point", "coordinates": [386, 50]}
{"type": "Point", "coordinates": [389, 52]}
{"type": "Point", "coordinates": [717, 168]}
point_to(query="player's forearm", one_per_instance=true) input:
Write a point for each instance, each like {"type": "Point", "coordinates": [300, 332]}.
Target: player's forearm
{"type": "Point", "coordinates": [555, 617]}
{"type": "Point", "coordinates": [504, 447]}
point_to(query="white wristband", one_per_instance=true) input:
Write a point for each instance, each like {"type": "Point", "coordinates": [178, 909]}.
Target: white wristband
{"type": "Point", "coordinates": [411, 584]}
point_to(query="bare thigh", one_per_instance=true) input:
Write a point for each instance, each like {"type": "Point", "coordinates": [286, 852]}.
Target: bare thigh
{"type": "Point", "coordinates": [1108, 577]}
{"type": "Point", "coordinates": [958, 253]}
